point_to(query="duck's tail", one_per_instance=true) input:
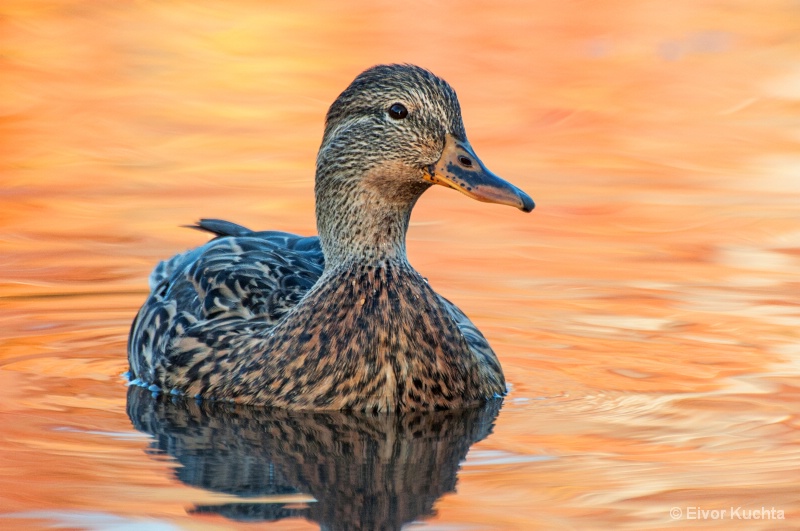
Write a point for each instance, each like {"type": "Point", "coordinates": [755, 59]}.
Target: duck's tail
{"type": "Point", "coordinates": [220, 227]}
{"type": "Point", "coordinates": [223, 229]}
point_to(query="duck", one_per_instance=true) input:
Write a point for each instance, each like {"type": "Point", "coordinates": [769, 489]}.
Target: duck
{"type": "Point", "coordinates": [338, 321]}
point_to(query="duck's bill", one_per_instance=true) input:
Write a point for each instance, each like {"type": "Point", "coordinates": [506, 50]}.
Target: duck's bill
{"type": "Point", "coordinates": [461, 169]}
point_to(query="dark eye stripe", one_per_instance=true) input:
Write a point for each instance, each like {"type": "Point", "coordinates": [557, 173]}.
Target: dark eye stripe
{"type": "Point", "coordinates": [398, 111]}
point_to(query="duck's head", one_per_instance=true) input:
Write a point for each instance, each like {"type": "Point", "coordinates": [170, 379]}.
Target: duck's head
{"type": "Point", "coordinates": [394, 132]}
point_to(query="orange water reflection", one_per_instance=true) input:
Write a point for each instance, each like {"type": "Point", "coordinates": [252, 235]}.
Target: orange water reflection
{"type": "Point", "coordinates": [646, 314]}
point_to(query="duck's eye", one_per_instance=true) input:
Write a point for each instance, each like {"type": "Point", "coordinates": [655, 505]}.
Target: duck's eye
{"type": "Point", "coordinates": [398, 111]}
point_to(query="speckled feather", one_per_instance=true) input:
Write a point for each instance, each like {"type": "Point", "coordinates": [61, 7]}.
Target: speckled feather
{"type": "Point", "coordinates": [337, 322]}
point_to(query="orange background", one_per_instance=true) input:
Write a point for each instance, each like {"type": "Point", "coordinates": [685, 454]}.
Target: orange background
{"type": "Point", "coordinates": [646, 313]}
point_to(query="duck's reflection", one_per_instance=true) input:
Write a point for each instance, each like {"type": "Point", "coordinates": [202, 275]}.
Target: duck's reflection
{"type": "Point", "coordinates": [365, 471]}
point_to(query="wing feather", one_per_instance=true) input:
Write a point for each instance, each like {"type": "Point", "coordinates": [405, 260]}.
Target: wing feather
{"type": "Point", "coordinates": [239, 275]}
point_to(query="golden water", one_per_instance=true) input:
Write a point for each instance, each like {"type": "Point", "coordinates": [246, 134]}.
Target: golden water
{"type": "Point", "coordinates": [647, 313]}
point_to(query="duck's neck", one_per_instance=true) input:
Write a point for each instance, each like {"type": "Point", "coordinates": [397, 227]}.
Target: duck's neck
{"type": "Point", "coordinates": [363, 218]}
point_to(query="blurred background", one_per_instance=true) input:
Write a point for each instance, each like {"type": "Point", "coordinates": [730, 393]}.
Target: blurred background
{"type": "Point", "coordinates": [646, 313]}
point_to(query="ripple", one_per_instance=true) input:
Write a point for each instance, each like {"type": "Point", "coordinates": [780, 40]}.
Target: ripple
{"type": "Point", "coordinates": [499, 457]}
{"type": "Point", "coordinates": [117, 435]}
{"type": "Point", "coordinates": [93, 521]}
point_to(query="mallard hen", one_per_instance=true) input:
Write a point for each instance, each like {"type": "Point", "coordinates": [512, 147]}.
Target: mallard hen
{"type": "Point", "coordinates": [339, 321]}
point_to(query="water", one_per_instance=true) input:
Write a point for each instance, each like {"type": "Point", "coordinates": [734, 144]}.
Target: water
{"type": "Point", "coordinates": [646, 313]}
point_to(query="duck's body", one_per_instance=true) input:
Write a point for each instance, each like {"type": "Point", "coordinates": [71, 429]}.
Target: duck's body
{"type": "Point", "coordinates": [341, 321]}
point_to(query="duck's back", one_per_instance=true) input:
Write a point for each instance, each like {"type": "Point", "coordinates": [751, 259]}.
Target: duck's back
{"type": "Point", "coordinates": [240, 275]}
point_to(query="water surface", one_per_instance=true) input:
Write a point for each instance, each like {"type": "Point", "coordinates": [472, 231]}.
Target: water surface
{"type": "Point", "coordinates": [646, 313]}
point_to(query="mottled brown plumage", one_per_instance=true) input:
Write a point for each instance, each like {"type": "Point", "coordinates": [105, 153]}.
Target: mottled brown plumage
{"type": "Point", "coordinates": [342, 321]}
